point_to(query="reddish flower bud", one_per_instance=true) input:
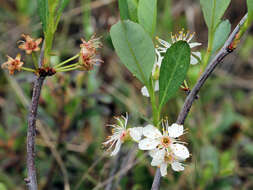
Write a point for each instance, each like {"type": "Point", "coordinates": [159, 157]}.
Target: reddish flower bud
{"type": "Point", "coordinates": [88, 52]}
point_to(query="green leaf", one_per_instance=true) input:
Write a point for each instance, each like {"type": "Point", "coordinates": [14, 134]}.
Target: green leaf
{"type": "Point", "coordinates": [173, 70]}
{"type": "Point", "coordinates": [250, 10]}
{"type": "Point", "coordinates": [132, 10]}
{"type": "Point", "coordinates": [221, 35]}
{"type": "Point", "coordinates": [147, 12]}
{"type": "Point", "coordinates": [123, 10]}
{"type": "Point", "coordinates": [62, 5]}
{"type": "Point", "coordinates": [213, 10]}
{"type": "Point", "coordinates": [43, 13]}
{"type": "Point", "coordinates": [134, 48]}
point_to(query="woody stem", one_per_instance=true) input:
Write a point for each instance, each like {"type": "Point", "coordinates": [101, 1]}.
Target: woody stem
{"type": "Point", "coordinates": [31, 132]}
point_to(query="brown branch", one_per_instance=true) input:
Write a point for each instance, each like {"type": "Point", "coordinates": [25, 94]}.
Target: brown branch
{"type": "Point", "coordinates": [31, 179]}
{"type": "Point", "coordinates": [192, 96]}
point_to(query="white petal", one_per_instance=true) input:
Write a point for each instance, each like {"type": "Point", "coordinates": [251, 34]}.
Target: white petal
{"type": "Point", "coordinates": [177, 166]}
{"type": "Point", "coordinates": [136, 133]}
{"type": "Point", "coordinates": [152, 153]}
{"type": "Point", "coordinates": [148, 144]}
{"type": "Point", "coordinates": [190, 38]}
{"type": "Point", "coordinates": [156, 85]}
{"type": "Point", "coordinates": [117, 148]}
{"type": "Point", "coordinates": [144, 91]}
{"type": "Point", "coordinates": [194, 61]}
{"type": "Point", "coordinates": [161, 49]}
{"type": "Point", "coordinates": [163, 169]}
{"type": "Point", "coordinates": [194, 44]}
{"type": "Point", "coordinates": [151, 132]}
{"type": "Point", "coordinates": [157, 153]}
{"type": "Point", "coordinates": [158, 157]}
{"type": "Point", "coordinates": [156, 162]}
{"type": "Point", "coordinates": [197, 54]}
{"type": "Point", "coordinates": [175, 130]}
{"type": "Point", "coordinates": [159, 58]}
{"type": "Point", "coordinates": [180, 151]}
{"type": "Point", "coordinates": [164, 43]}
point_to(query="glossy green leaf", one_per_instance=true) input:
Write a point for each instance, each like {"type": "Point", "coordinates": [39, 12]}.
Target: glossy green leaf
{"type": "Point", "coordinates": [43, 13]}
{"type": "Point", "coordinates": [147, 12]}
{"type": "Point", "coordinates": [134, 48]}
{"type": "Point", "coordinates": [221, 35]}
{"type": "Point", "coordinates": [250, 10]}
{"type": "Point", "coordinates": [123, 9]}
{"type": "Point", "coordinates": [173, 70]}
{"type": "Point", "coordinates": [132, 10]}
{"type": "Point", "coordinates": [213, 10]}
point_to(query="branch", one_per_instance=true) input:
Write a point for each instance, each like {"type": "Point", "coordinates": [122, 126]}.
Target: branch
{"type": "Point", "coordinates": [191, 97]}
{"type": "Point", "coordinates": [31, 132]}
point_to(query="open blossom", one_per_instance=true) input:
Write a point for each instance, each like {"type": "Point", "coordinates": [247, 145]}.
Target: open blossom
{"type": "Point", "coordinates": [88, 52]}
{"type": "Point", "coordinates": [30, 44]}
{"type": "Point", "coordinates": [195, 56]}
{"type": "Point", "coordinates": [13, 64]}
{"type": "Point", "coordinates": [173, 156]}
{"type": "Point", "coordinates": [120, 133]}
{"type": "Point", "coordinates": [154, 138]}
{"type": "Point", "coordinates": [165, 148]}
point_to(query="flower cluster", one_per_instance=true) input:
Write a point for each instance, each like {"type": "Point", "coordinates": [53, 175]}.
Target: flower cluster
{"type": "Point", "coordinates": [161, 50]}
{"type": "Point", "coordinates": [164, 147]}
{"type": "Point", "coordinates": [87, 54]}
{"type": "Point", "coordinates": [30, 45]}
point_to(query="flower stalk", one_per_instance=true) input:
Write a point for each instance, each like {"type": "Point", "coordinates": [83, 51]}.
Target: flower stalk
{"type": "Point", "coordinates": [66, 61]}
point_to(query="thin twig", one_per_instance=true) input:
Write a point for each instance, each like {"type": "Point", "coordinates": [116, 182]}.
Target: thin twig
{"type": "Point", "coordinates": [120, 172]}
{"type": "Point", "coordinates": [124, 158]}
{"type": "Point", "coordinates": [191, 97]}
{"type": "Point", "coordinates": [31, 132]}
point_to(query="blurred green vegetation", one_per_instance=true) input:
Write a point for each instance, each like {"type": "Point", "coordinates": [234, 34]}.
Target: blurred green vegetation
{"type": "Point", "coordinates": [75, 107]}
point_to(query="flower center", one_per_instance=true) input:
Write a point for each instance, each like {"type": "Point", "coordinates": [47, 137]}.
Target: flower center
{"type": "Point", "coordinates": [31, 45]}
{"type": "Point", "coordinates": [123, 136]}
{"type": "Point", "coordinates": [166, 141]}
{"type": "Point", "coordinates": [168, 158]}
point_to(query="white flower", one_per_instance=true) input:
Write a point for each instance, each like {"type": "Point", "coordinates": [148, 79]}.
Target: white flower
{"type": "Point", "coordinates": [120, 133]}
{"type": "Point", "coordinates": [195, 56]}
{"type": "Point", "coordinates": [173, 156]}
{"type": "Point", "coordinates": [164, 148]}
{"type": "Point", "coordinates": [154, 138]}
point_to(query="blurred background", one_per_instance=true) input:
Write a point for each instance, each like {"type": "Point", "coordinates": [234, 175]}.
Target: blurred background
{"type": "Point", "coordinates": [76, 106]}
